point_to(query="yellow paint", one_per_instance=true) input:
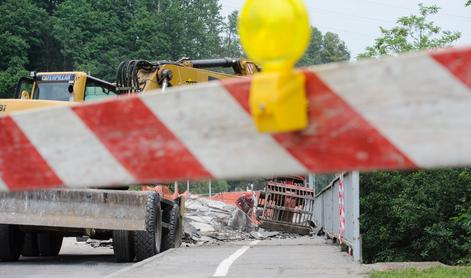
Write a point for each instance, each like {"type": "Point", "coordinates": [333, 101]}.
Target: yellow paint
{"type": "Point", "coordinates": [80, 83]}
{"type": "Point", "coordinates": [16, 105]}
{"type": "Point", "coordinates": [275, 34]}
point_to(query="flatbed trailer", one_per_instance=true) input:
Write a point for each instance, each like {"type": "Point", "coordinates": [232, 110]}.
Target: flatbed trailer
{"type": "Point", "coordinates": [141, 223]}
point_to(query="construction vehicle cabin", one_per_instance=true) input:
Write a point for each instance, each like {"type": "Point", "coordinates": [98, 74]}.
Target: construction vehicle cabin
{"type": "Point", "coordinates": [45, 89]}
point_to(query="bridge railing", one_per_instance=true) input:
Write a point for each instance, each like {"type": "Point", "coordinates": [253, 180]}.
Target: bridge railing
{"type": "Point", "coordinates": [327, 212]}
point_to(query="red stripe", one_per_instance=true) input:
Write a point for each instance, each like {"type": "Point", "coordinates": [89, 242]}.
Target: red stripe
{"type": "Point", "coordinates": [140, 141]}
{"type": "Point", "coordinates": [457, 61]}
{"type": "Point", "coordinates": [337, 139]}
{"type": "Point", "coordinates": [21, 165]}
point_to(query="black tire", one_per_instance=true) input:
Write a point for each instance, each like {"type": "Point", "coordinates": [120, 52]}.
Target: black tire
{"type": "Point", "coordinates": [172, 236]}
{"type": "Point", "coordinates": [123, 246]}
{"type": "Point", "coordinates": [11, 242]}
{"type": "Point", "coordinates": [30, 247]}
{"type": "Point", "coordinates": [147, 243]}
{"type": "Point", "coordinates": [49, 243]}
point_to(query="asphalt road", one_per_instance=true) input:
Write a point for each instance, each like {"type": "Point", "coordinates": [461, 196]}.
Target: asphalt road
{"type": "Point", "coordinates": [76, 259]}
{"type": "Point", "coordinates": [302, 257]}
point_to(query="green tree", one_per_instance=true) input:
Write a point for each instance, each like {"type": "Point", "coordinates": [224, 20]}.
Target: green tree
{"type": "Point", "coordinates": [202, 187]}
{"type": "Point", "coordinates": [415, 215]}
{"type": "Point", "coordinates": [91, 34]}
{"type": "Point", "coordinates": [231, 41]}
{"type": "Point", "coordinates": [146, 37]}
{"type": "Point", "coordinates": [204, 25]}
{"type": "Point", "coordinates": [414, 32]}
{"type": "Point", "coordinates": [468, 3]}
{"type": "Point", "coordinates": [333, 49]}
{"type": "Point", "coordinates": [22, 27]}
{"type": "Point", "coordinates": [324, 49]}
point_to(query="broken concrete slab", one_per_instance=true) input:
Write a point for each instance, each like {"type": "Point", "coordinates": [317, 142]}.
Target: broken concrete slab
{"type": "Point", "coordinates": [210, 221]}
{"type": "Point", "coordinates": [261, 234]}
{"type": "Point", "coordinates": [202, 227]}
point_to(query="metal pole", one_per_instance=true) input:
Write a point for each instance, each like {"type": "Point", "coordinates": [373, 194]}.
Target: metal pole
{"type": "Point", "coordinates": [188, 186]}
{"type": "Point", "coordinates": [209, 188]}
{"type": "Point", "coordinates": [357, 253]}
{"type": "Point", "coordinates": [311, 181]}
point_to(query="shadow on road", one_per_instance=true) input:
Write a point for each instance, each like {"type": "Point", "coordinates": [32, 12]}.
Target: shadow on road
{"type": "Point", "coordinates": [66, 259]}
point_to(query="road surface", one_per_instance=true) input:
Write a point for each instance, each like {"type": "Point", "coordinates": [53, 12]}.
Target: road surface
{"type": "Point", "coordinates": [302, 257]}
{"type": "Point", "coordinates": [76, 259]}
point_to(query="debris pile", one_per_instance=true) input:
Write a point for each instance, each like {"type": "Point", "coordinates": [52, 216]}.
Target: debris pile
{"type": "Point", "coordinates": [209, 222]}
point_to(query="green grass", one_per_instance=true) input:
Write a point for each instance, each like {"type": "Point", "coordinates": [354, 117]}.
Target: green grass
{"type": "Point", "coordinates": [435, 272]}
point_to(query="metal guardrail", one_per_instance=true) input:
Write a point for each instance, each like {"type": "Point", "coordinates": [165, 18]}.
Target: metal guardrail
{"type": "Point", "coordinates": [326, 211]}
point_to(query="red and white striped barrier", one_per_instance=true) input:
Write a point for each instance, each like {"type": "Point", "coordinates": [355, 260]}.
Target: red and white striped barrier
{"type": "Point", "coordinates": [341, 210]}
{"type": "Point", "coordinates": [412, 111]}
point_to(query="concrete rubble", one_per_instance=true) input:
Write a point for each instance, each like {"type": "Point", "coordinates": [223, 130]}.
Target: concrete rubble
{"type": "Point", "coordinates": [95, 243]}
{"type": "Point", "coordinates": [209, 222]}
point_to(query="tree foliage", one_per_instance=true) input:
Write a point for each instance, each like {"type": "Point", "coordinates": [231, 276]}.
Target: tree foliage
{"type": "Point", "coordinates": [22, 30]}
{"type": "Point", "coordinates": [95, 36]}
{"type": "Point", "coordinates": [418, 215]}
{"type": "Point", "coordinates": [414, 32]}
{"type": "Point", "coordinates": [231, 40]}
{"type": "Point", "coordinates": [324, 48]}
{"type": "Point", "coordinates": [202, 187]}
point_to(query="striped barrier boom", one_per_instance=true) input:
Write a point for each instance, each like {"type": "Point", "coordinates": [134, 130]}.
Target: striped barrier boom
{"type": "Point", "coordinates": [412, 111]}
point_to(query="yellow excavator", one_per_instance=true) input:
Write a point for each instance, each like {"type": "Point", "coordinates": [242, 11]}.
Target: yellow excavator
{"type": "Point", "coordinates": [45, 89]}
{"type": "Point", "coordinates": [34, 223]}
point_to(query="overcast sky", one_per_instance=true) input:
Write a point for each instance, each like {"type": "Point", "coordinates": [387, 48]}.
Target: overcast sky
{"type": "Point", "coordinates": [357, 21]}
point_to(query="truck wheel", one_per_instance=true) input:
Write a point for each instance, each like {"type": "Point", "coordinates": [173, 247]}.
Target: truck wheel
{"type": "Point", "coordinates": [30, 247]}
{"type": "Point", "coordinates": [172, 236]}
{"type": "Point", "coordinates": [49, 243]}
{"type": "Point", "coordinates": [11, 242]}
{"type": "Point", "coordinates": [123, 246]}
{"type": "Point", "coordinates": [147, 243]}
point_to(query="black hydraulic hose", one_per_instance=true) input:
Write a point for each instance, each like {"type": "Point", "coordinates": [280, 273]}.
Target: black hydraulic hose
{"type": "Point", "coordinates": [210, 63]}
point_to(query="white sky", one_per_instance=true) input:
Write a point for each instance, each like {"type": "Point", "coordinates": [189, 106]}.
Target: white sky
{"type": "Point", "coordinates": [357, 21]}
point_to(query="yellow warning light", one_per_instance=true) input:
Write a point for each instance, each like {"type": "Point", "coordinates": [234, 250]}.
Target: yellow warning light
{"type": "Point", "coordinates": [275, 34]}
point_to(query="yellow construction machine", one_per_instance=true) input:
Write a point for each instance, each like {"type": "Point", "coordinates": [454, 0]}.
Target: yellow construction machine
{"type": "Point", "coordinates": [45, 89]}
{"type": "Point", "coordinates": [34, 223]}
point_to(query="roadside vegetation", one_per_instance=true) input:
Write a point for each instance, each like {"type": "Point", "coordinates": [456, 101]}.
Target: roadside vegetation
{"type": "Point", "coordinates": [416, 215]}
{"type": "Point", "coordinates": [436, 272]}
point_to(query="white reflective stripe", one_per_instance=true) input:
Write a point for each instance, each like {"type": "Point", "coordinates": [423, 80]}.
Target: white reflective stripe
{"type": "Point", "coordinates": [414, 101]}
{"type": "Point", "coordinates": [71, 149]}
{"type": "Point", "coordinates": [3, 186]}
{"type": "Point", "coordinates": [223, 268]}
{"type": "Point", "coordinates": [221, 135]}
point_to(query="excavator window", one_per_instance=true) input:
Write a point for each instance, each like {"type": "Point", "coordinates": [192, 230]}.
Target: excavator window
{"type": "Point", "coordinates": [96, 89]}
{"type": "Point", "coordinates": [24, 84]}
{"type": "Point", "coordinates": [57, 90]}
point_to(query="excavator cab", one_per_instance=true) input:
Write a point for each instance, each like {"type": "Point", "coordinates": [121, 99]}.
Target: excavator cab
{"type": "Point", "coordinates": [46, 89]}
{"type": "Point", "coordinates": [70, 86]}
{"type": "Point", "coordinates": [63, 86]}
